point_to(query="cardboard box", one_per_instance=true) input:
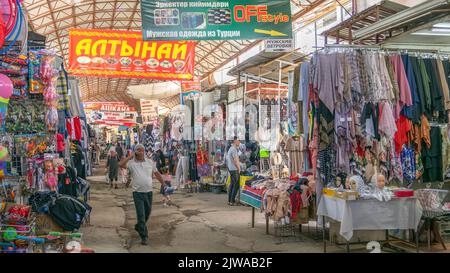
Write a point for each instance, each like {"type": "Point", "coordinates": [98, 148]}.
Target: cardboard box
{"type": "Point", "coordinates": [359, 236]}
{"type": "Point", "coordinates": [346, 195]}
{"type": "Point", "coordinates": [329, 192]}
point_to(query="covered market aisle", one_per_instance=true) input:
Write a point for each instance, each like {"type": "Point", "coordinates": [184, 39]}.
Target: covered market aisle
{"type": "Point", "coordinates": [257, 126]}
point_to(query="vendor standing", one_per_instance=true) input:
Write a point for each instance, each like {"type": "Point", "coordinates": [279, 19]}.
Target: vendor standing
{"type": "Point", "coordinates": [234, 169]}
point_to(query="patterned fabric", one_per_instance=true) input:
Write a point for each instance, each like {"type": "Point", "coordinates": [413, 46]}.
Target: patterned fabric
{"type": "Point", "coordinates": [326, 127]}
{"type": "Point", "coordinates": [364, 81]}
{"type": "Point", "coordinates": [354, 75]}
{"type": "Point", "coordinates": [408, 163]}
{"type": "Point", "coordinates": [63, 91]}
{"type": "Point", "coordinates": [326, 165]}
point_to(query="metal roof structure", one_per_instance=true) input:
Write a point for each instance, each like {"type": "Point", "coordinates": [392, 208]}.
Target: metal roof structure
{"type": "Point", "coordinates": [54, 18]}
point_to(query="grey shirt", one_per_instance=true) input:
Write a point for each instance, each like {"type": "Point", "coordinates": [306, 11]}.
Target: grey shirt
{"type": "Point", "coordinates": [141, 175]}
{"type": "Point", "coordinates": [231, 156]}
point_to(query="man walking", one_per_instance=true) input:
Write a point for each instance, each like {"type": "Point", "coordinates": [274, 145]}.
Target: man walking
{"type": "Point", "coordinates": [234, 168]}
{"type": "Point", "coordinates": [141, 171]}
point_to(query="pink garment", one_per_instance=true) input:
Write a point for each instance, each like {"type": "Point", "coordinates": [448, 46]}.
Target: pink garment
{"type": "Point", "coordinates": [167, 178]}
{"type": "Point", "coordinates": [405, 98]}
{"type": "Point", "coordinates": [305, 195]}
{"type": "Point", "coordinates": [387, 124]}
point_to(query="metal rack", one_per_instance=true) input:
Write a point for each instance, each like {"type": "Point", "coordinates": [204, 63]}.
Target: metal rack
{"type": "Point", "coordinates": [286, 232]}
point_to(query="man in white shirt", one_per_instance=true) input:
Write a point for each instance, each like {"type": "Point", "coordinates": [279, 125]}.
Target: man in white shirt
{"type": "Point", "coordinates": [141, 171]}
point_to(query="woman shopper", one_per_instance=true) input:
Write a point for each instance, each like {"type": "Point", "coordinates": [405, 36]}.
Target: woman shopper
{"type": "Point", "coordinates": [112, 167]}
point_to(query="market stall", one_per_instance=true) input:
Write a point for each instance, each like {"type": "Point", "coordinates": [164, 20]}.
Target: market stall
{"type": "Point", "coordinates": [44, 143]}
{"type": "Point", "coordinates": [278, 184]}
{"type": "Point", "coordinates": [385, 122]}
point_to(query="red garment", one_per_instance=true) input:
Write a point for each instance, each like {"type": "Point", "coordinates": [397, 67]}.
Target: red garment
{"type": "Point", "coordinates": [202, 157]}
{"type": "Point", "coordinates": [60, 146]}
{"type": "Point", "coordinates": [360, 151]}
{"type": "Point", "coordinates": [296, 203]}
{"type": "Point", "coordinates": [74, 128]}
{"type": "Point", "coordinates": [294, 177]}
{"type": "Point", "coordinates": [401, 136]}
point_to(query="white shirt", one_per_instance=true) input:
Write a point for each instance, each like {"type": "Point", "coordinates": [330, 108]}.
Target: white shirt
{"type": "Point", "coordinates": [141, 175]}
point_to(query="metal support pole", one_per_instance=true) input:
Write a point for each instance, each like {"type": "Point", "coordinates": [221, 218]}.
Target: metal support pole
{"type": "Point", "coordinates": [429, 233]}
{"type": "Point", "coordinates": [416, 235]}
{"type": "Point", "coordinates": [267, 224]}
{"type": "Point", "coordinates": [324, 235]}
{"type": "Point", "coordinates": [253, 217]}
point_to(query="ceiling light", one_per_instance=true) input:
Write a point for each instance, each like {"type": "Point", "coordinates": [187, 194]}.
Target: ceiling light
{"type": "Point", "coordinates": [440, 30]}
{"type": "Point", "coordinates": [442, 25]}
{"type": "Point", "coordinates": [431, 33]}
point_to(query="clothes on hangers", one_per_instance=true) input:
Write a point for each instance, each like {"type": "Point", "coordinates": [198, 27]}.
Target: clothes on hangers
{"type": "Point", "coordinates": [294, 148]}
{"type": "Point", "coordinates": [73, 126]}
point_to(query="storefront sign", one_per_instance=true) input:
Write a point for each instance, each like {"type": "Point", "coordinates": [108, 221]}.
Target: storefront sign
{"type": "Point", "coordinates": [216, 20]}
{"type": "Point", "coordinates": [108, 107]}
{"type": "Point", "coordinates": [100, 116]}
{"type": "Point", "coordinates": [279, 45]}
{"type": "Point", "coordinates": [112, 113]}
{"type": "Point", "coordinates": [123, 54]}
{"type": "Point", "coordinates": [191, 90]}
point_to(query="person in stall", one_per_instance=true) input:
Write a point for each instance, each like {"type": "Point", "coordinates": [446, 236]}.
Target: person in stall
{"type": "Point", "coordinates": [234, 168]}
{"type": "Point", "coordinates": [159, 157]}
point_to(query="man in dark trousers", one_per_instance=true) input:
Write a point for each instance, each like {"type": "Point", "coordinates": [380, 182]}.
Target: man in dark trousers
{"type": "Point", "coordinates": [234, 167]}
{"type": "Point", "coordinates": [141, 171]}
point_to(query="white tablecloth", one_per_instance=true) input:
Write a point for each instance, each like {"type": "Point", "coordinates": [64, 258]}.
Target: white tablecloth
{"type": "Point", "coordinates": [399, 213]}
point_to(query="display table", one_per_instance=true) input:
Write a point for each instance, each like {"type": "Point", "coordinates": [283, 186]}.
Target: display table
{"type": "Point", "coordinates": [254, 199]}
{"type": "Point", "coordinates": [398, 213]}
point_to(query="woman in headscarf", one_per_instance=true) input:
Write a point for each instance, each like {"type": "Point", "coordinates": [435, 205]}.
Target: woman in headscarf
{"type": "Point", "coordinates": [112, 166]}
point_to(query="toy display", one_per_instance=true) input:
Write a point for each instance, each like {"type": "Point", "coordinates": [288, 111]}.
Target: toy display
{"type": "Point", "coordinates": [36, 84]}
{"type": "Point", "coordinates": [25, 116]}
{"type": "Point", "coordinates": [50, 175]}
{"type": "Point", "coordinates": [32, 144]}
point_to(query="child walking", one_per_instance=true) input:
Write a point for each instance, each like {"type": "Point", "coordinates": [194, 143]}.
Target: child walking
{"type": "Point", "coordinates": [112, 166]}
{"type": "Point", "coordinates": [166, 189]}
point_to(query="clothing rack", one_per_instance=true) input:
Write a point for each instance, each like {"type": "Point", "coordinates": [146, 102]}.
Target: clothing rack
{"type": "Point", "coordinates": [418, 52]}
{"type": "Point", "coordinates": [435, 124]}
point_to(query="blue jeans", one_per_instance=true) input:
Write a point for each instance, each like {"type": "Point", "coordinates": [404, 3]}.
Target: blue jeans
{"type": "Point", "coordinates": [234, 186]}
{"type": "Point", "coordinates": [143, 204]}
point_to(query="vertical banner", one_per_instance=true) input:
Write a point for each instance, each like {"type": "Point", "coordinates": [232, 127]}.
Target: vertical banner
{"type": "Point", "coordinates": [149, 111]}
{"type": "Point", "coordinates": [190, 90]}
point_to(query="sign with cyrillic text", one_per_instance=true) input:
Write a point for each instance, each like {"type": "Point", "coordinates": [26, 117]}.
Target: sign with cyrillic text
{"type": "Point", "coordinates": [216, 20]}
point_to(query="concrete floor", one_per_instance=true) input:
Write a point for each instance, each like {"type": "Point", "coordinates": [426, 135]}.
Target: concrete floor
{"type": "Point", "coordinates": [198, 222]}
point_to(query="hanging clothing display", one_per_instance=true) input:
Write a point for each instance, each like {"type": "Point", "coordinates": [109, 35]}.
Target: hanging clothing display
{"type": "Point", "coordinates": [294, 149]}
{"type": "Point", "coordinates": [377, 111]}
{"type": "Point", "coordinates": [73, 126]}
{"type": "Point", "coordinates": [182, 171]}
